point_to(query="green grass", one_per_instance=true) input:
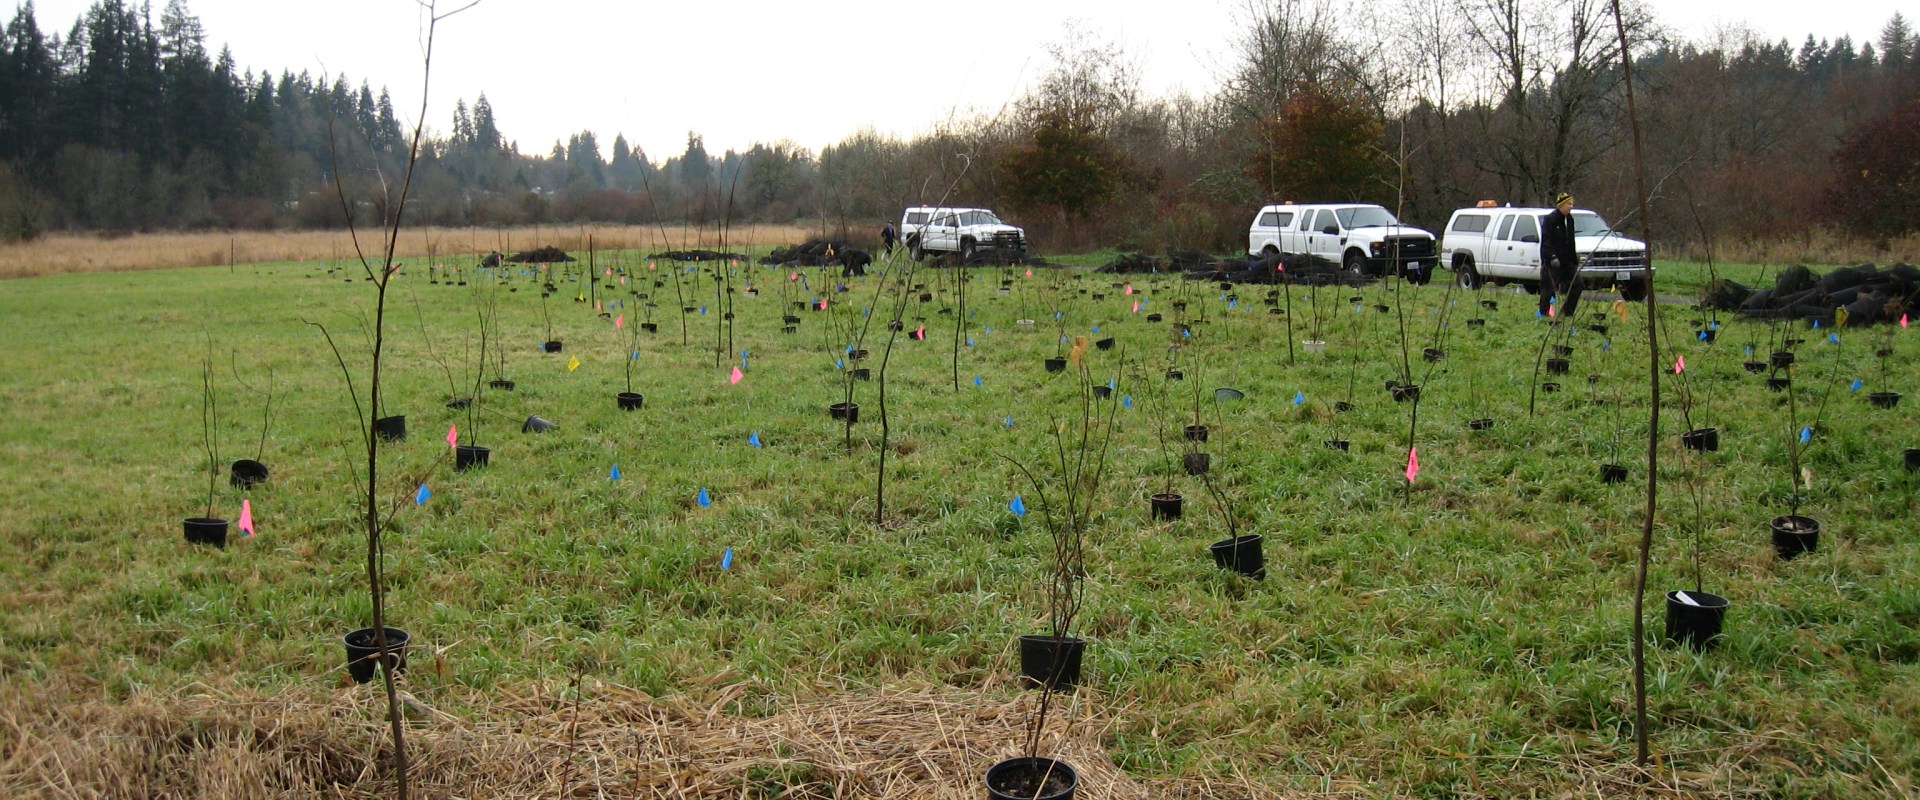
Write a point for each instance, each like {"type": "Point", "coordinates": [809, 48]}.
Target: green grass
{"type": "Point", "coordinates": [1469, 637]}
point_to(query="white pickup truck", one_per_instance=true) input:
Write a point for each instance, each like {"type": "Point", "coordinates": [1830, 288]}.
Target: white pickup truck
{"type": "Point", "coordinates": [1363, 239]}
{"type": "Point", "coordinates": [966, 231]}
{"type": "Point", "coordinates": [1501, 244]}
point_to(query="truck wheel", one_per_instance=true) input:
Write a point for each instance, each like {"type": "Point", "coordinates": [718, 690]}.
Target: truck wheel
{"type": "Point", "coordinates": [1466, 275]}
{"type": "Point", "coordinates": [1355, 265]}
{"type": "Point", "coordinates": [1418, 276]}
{"type": "Point", "coordinates": [966, 250]}
{"type": "Point", "coordinates": [913, 249]}
{"type": "Point", "coordinates": [1634, 290]}
{"type": "Point", "coordinates": [1268, 252]}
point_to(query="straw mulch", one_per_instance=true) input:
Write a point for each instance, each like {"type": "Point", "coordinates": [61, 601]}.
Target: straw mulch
{"type": "Point", "coordinates": [601, 741]}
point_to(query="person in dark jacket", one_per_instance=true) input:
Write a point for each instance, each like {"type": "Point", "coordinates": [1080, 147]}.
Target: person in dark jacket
{"type": "Point", "coordinates": [1559, 263]}
{"type": "Point", "coordinates": [888, 237]}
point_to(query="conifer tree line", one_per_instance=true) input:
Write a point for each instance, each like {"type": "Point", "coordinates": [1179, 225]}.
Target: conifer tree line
{"type": "Point", "coordinates": [128, 121]}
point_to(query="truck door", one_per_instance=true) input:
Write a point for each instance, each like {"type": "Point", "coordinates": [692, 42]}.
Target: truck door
{"type": "Point", "coordinates": [944, 234]}
{"type": "Point", "coordinates": [1319, 241]}
{"type": "Point", "coordinates": [1520, 242]}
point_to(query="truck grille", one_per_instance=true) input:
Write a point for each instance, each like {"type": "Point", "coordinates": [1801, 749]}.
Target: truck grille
{"type": "Point", "coordinates": [1617, 259]}
{"type": "Point", "coordinates": [1005, 240]}
{"type": "Point", "coordinates": [1409, 246]}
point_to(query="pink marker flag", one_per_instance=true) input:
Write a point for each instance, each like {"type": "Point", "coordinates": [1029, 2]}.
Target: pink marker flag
{"type": "Point", "coordinates": [596, 305]}
{"type": "Point", "coordinates": [1136, 306]}
{"type": "Point", "coordinates": [623, 280]}
{"type": "Point", "coordinates": [735, 378]}
{"type": "Point", "coordinates": [793, 276]}
{"type": "Point", "coordinates": [1679, 364]}
{"type": "Point", "coordinates": [453, 436]}
{"type": "Point", "coordinates": [1029, 272]}
{"type": "Point", "coordinates": [246, 516]}
{"type": "Point", "coordinates": [609, 272]}
{"type": "Point", "coordinates": [1550, 312]}
{"type": "Point", "coordinates": [1413, 463]}
{"type": "Point", "coordinates": [1129, 288]}
{"type": "Point", "coordinates": [649, 265]}
{"type": "Point", "coordinates": [1903, 320]}
{"type": "Point", "coordinates": [619, 322]}
{"type": "Point", "coordinates": [823, 305]}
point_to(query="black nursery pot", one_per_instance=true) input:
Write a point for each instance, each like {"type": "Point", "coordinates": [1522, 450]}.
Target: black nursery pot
{"type": "Point", "coordinates": [207, 530]}
{"type": "Point", "coordinates": [862, 373]}
{"type": "Point", "coordinates": [1196, 463]}
{"type": "Point", "coordinates": [1562, 350]}
{"type": "Point", "coordinates": [1057, 364]}
{"type": "Point", "coordinates": [630, 400]}
{"type": "Point", "coordinates": [1339, 444]}
{"type": "Point", "coordinates": [847, 411]}
{"type": "Point", "coordinates": [1196, 433]}
{"type": "Point", "coordinates": [1476, 322]}
{"type": "Point", "coordinates": [392, 428]}
{"type": "Point", "coordinates": [537, 424]}
{"type": "Point", "coordinates": [1878, 399]}
{"type": "Point", "coordinates": [1780, 359]}
{"type": "Point", "coordinates": [1480, 424]}
{"type": "Point", "coordinates": [1433, 354]}
{"type": "Point", "coordinates": [1698, 626]}
{"type": "Point", "coordinates": [1342, 406]}
{"type": "Point", "coordinates": [551, 346]}
{"type": "Point", "coordinates": [650, 327]}
{"type": "Point", "coordinates": [1613, 473]}
{"type": "Point", "coordinates": [1102, 392]}
{"type": "Point", "coordinates": [1779, 384]}
{"type": "Point", "coordinates": [1703, 439]}
{"type": "Point", "coordinates": [501, 383]}
{"type": "Point", "coordinates": [1405, 392]}
{"type": "Point", "coordinates": [469, 456]}
{"type": "Point", "coordinates": [1755, 366]}
{"type": "Point", "coordinates": [363, 653]}
{"type": "Point", "coordinates": [1912, 456]}
{"type": "Point", "coordinates": [1794, 534]}
{"type": "Point", "coordinates": [247, 473]}
{"type": "Point", "coordinates": [1558, 366]}
{"type": "Point", "coordinates": [1154, 317]}
{"type": "Point", "coordinates": [1549, 387]}
{"type": "Point", "coordinates": [1490, 305]}
{"type": "Point", "coordinates": [1165, 505]}
{"type": "Point", "coordinates": [1174, 375]}
{"type": "Point", "coordinates": [1050, 662]}
{"type": "Point", "coordinates": [1240, 554]}
{"type": "Point", "coordinates": [1030, 778]}
{"type": "Point", "coordinates": [1105, 344]}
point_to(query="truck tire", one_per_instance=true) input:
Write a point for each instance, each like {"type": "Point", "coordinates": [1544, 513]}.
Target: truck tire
{"type": "Point", "coordinates": [966, 250]}
{"type": "Point", "coordinates": [1465, 274]}
{"type": "Point", "coordinates": [1634, 290]}
{"type": "Point", "coordinates": [1269, 252]}
{"type": "Point", "coordinates": [1418, 276]}
{"type": "Point", "coordinates": [1355, 264]}
{"type": "Point", "coordinates": [913, 248]}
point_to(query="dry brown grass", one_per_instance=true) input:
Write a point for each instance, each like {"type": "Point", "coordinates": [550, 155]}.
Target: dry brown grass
{"type": "Point", "coordinates": [63, 253]}
{"type": "Point", "coordinates": [610, 742]}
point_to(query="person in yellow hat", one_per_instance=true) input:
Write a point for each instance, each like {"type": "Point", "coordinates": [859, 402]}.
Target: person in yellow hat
{"type": "Point", "coordinates": [1559, 263]}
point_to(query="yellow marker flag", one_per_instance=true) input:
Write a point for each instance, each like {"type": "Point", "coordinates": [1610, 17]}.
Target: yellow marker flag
{"type": "Point", "coordinates": [1840, 317]}
{"type": "Point", "coordinates": [573, 363]}
{"type": "Point", "coordinates": [1620, 309]}
{"type": "Point", "coordinates": [1079, 350]}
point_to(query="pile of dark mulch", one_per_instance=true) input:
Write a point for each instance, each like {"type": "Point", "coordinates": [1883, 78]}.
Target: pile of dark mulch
{"type": "Point", "coordinates": [544, 255]}
{"type": "Point", "coordinates": [1868, 293]}
{"type": "Point", "coordinates": [823, 253]}
{"type": "Point", "coordinates": [696, 255]}
{"type": "Point", "coordinates": [1296, 268]}
{"type": "Point", "coordinates": [1175, 261]}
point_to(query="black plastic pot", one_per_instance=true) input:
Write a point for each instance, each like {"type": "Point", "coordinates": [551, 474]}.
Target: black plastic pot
{"type": "Point", "coordinates": [1612, 473]}
{"type": "Point", "coordinates": [1029, 778]}
{"type": "Point", "coordinates": [1105, 344]}
{"type": "Point", "coordinates": [1338, 444]}
{"type": "Point", "coordinates": [847, 411]}
{"type": "Point", "coordinates": [469, 456]}
{"type": "Point", "coordinates": [1165, 505]}
{"type": "Point", "coordinates": [501, 383]}
{"type": "Point", "coordinates": [1490, 305]}
{"type": "Point", "coordinates": [1912, 456]}
{"type": "Point", "coordinates": [1562, 350]}
{"type": "Point", "coordinates": [1558, 366]}
{"type": "Point", "coordinates": [1174, 375]}
{"type": "Point", "coordinates": [1780, 359]}
{"type": "Point", "coordinates": [1755, 366]}
{"type": "Point", "coordinates": [1703, 439]}
{"type": "Point", "coordinates": [1382, 308]}
{"type": "Point", "coordinates": [1102, 392]}
{"type": "Point", "coordinates": [1794, 534]}
{"type": "Point", "coordinates": [551, 346]}
{"type": "Point", "coordinates": [247, 473]}
{"type": "Point", "coordinates": [1154, 317]}
{"type": "Point", "coordinates": [363, 654]}
{"type": "Point", "coordinates": [1433, 354]}
{"type": "Point", "coordinates": [1196, 433]}
{"type": "Point", "coordinates": [1240, 554]}
{"type": "Point", "coordinates": [1050, 662]}
{"type": "Point", "coordinates": [536, 424]}
{"type": "Point", "coordinates": [1476, 322]}
{"type": "Point", "coordinates": [1549, 387]}
{"type": "Point", "coordinates": [1480, 424]}
{"type": "Point", "coordinates": [1697, 626]}
{"type": "Point", "coordinates": [1342, 406]}
{"type": "Point", "coordinates": [1779, 384]}
{"type": "Point", "coordinates": [1880, 399]}
{"type": "Point", "coordinates": [459, 403]}
{"type": "Point", "coordinates": [859, 354]}
{"type": "Point", "coordinates": [392, 428]}
{"type": "Point", "coordinates": [790, 319]}
{"type": "Point", "coordinates": [207, 530]}
{"type": "Point", "coordinates": [630, 400]}
{"type": "Point", "coordinates": [1405, 392]}
{"type": "Point", "coordinates": [650, 327]}
{"type": "Point", "coordinates": [1597, 328]}
{"type": "Point", "coordinates": [1196, 463]}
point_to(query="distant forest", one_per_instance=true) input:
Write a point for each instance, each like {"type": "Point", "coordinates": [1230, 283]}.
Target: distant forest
{"type": "Point", "coordinates": [130, 123]}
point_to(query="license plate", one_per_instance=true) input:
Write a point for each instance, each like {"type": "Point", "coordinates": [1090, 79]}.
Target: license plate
{"type": "Point", "coordinates": [1622, 276]}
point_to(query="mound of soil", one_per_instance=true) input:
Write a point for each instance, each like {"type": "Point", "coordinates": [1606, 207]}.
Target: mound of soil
{"type": "Point", "coordinates": [544, 255]}
{"type": "Point", "coordinates": [697, 255]}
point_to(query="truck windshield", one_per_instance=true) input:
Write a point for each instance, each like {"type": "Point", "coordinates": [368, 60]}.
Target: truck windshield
{"type": "Point", "coordinates": [1365, 216]}
{"type": "Point", "coordinates": [979, 218]}
{"type": "Point", "coordinates": [1587, 223]}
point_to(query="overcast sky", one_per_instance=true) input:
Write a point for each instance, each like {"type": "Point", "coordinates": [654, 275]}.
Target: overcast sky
{"type": "Point", "coordinates": [739, 72]}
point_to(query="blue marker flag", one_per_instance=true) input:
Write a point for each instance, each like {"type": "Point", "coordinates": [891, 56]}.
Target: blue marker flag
{"type": "Point", "coordinates": [1299, 397]}
{"type": "Point", "coordinates": [1607, 345]}
{"type": "Point", "coordinates": [1702, 336]}
{"type": "Point", "coordinates": [420, 497]}
{"type": "Point", "coordinates": [976, 380]}
{"type": "Point", "coordinates": [1056, 315]}
{"type": "Point", "coordinates": [1833, 338]}
{"type": "Point", "coordinates": [1806, 433]}
{"type": "Point", "coordinates": [1009, 420]}
{"type": "Point", "coordinates": [726, 559]}
{"type": "Point", "coordinates": [1096, 329]}
{"type": "Point", "coordinates": [1856, 384]}
{"type": "Point", "coordinates": [703, 499]}
{"type": "Point", "coordinates": [1816, 324]}
{"type": "Point", "coordinates": [839, 364]}
{"type": "Point", "coordinates": [1749, 349]}
{"type": "Point", "coordinates": [969, 341]}
{"type": "Point", "coordinates": [614, 474]}
{"type": "Point", "coordinates": [635, 355]}
{"type": "Point", "coordinates": [754, 438]}
{"type": "Point", "coordinates": [1126, 401]}
{"type": "Point", "coordinates": [1018, 507]}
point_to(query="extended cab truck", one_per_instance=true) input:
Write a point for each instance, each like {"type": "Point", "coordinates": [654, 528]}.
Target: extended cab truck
{"type": "Point", "coordinates": [931, 229]}
{"type": "Point", "coordinates": [1489, 243]}
{"type": "Point", "coordinates": [1363, 239]}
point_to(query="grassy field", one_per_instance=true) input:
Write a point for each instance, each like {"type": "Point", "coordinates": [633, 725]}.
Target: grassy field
{"type": "Point", "coordinates": [573, 632]}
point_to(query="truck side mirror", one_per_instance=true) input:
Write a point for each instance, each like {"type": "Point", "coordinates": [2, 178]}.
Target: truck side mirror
{"type": "Point", "coordinates": [1330, 229]}
{"type": "Point", "coordinates": [1530, 239]}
